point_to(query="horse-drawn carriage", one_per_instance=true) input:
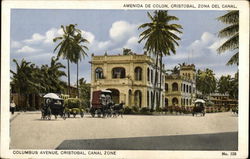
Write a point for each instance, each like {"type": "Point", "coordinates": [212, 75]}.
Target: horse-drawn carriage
{"type": "Point", "coordinates": [102, 104]}
{"type": "Point", "coordinates": [53, 105]}
{"type": "Point", "coordinates": [199, 107]}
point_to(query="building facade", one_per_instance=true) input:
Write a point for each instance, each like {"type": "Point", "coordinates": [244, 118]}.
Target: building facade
{"type": "Point", "coordinates": [129, 77]}
{"type": "Point", "coordinates": [180, 88]}
{"type": "Point", "coordinates": [224, 100]}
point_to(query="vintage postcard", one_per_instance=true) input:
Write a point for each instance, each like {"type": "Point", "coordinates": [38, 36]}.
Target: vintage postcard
{"type": "Point", "coordinates": [124, 79]}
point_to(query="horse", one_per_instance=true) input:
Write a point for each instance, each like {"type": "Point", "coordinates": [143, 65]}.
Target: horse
{"type": "Point", "coordinates": [117, 109]}
{"type": "Point", "coordinates": [235, 110]}
{"type": "Point", "coordinates": [53, 108]}
{"type": "Point", "coordinates": [46, 113]}
{"type": "Point", "coordinates": [198, 109]}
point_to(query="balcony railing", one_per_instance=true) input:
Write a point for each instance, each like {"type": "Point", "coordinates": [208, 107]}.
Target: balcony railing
{"type": "Point", "coordinates": [122, 58]}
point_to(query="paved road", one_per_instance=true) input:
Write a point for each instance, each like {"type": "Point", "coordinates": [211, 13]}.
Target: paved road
{"type": "Point", "coordinates": [219, 141]}
{"type": "Point", "coordinates": [168, 132]}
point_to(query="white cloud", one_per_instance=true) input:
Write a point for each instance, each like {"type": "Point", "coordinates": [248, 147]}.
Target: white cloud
{"type": "Point", "coordinates": [121, 30]}
{"type": "Point", "coordinates": [50, 35]}
{"type": "Point", "coordinates": [207, 37]}
{"type": "Point", "coordinates": [214, 46]}
{"type": "Point", "coordinates": [15, 44]}
{"type": "Point", "coordinates": [36, 37]}
{"type": "Point", "coordinates": [27, 49]}
{"type": "Point", "coordinates": [47, 38]}
{"type": "Point", "coordinates": [103, 44]}
{"type": "Point", "coordinates": [133, 44]}
{"type": "Point", "coordinates": [88, 35]}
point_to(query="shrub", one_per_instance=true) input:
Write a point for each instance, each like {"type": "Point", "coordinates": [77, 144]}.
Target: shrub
{"type": "Point", "coordinates": [127, 110]}
{"type": "Point", "coordinates": [144, 110]}
{"type": "Point", "coordinates": [158, 109]}
{"type": "Point", "coordinates": [72, 103]}
{"type": "Point", "coordinates": [135, 109]}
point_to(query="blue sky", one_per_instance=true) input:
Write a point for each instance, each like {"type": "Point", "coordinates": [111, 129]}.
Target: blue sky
{"type": "Point", "coordinates": [32, 31]}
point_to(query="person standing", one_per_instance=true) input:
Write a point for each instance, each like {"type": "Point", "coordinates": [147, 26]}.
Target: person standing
{"type": "Point", "coordinates": [12, 106]}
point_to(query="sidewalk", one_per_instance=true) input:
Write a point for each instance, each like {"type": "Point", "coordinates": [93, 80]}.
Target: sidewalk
{"type": "Point", "coordinates": [12, 117]}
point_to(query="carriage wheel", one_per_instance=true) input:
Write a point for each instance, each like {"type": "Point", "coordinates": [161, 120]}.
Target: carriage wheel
{"type": "Point", "coordinates": [82, 114]}
{"type": "Point", "coordinates": [64, 117]}
{"type": "Point", "coordinates": [99, 112]}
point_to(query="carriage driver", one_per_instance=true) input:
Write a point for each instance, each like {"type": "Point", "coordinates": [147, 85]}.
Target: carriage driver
{"type": "Point", "coordinates": [108, 98]}
{"type": "Point", "coordinates": [103, 99]}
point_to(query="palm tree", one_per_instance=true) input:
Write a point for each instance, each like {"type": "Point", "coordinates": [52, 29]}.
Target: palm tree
{"type": "Point", "coordinates": [232, 33]}
{"type": "Point", "coordinates": [79, 53]}
{"type": "Point", "coordinates": [66, 45]}
{"type": "Point", "coordinates": [224, 84]}
{"type": "Point", "coordinates": [23, 79]}
{"type": "Point", "coordinates": [160, 39]}
{"type": "Point", "coordinates": [206, 81]}
{"type": "Point", "coordinates": [127, 51]}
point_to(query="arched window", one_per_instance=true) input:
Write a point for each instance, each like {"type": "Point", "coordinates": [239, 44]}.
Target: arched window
{"type": "Point", "coordinates": [190, 91]}
{"type": "Point", "coordinates": [138, 73]}
{"type": "Point", "coordinates": [152, 98]}
{"type": "Point", "coordinates": [129, 97]}
{"type": "Point", "coordinates": [98, 73]}
{"type": "Point", "coordinates": [175, 101]}
{"type": "Point", "coordinates": [115, 94]}
{"type": "Point", "coordinates": [152, 77]}
{"type": "Point", "coordinates": [148, 74]}
{"type": "Point", "coordinates": [138, 98]}
{"type": "Point", "coordinates": [190, 101]}
{"type": "Point", "coordinates": [166, 87]}
{"type": "Point", "coordinates": [184, 88]}
{"type": "Point", "coordinates": [162, 99]}
{"type": "Point", "coordinates": [174, 87]}
{"type": "Point", "coordinates": [157, 97]}
{"type": "Point", "coordinates": [166, 102]}
{"type": "Point", "coordinates": [187, 101]}
{"type": "Point", "coordinates": [148, 99]}
{"type": "Point", "coordinates": [118, 72]}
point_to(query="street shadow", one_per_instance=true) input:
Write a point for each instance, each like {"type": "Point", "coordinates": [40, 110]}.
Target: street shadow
{"type": "Point", "coordinates": [205, 142]}
{"type": "Point", "coordinates": [60, 119]}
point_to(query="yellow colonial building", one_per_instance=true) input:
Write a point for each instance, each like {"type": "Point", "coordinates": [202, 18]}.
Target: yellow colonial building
{"type": "Point", "coordinates": [180, 88]}
{"type": "Point", "coordinates": [129, 77]}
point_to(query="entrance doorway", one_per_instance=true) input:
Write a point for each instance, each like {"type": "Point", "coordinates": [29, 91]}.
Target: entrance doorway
{"type": "Point", "coordinates": [115, 95]}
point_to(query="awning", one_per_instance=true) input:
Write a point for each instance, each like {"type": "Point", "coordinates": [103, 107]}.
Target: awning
{"type": "Point", "coordinates": [199, 101]}
{"type": "Point", "coordinates": [52, 96]}
{"type": "Point", "coordinates": [106, 91]}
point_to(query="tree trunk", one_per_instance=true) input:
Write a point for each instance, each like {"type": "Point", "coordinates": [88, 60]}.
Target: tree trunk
{"type": "Point", "coordinates": [68, 79]}
{"type": "Point", "coordinates": [155, 84]}
{"type": "Point", "coordinates": [159, 99]}
{"type": "Point", "coordinates": [77, 79]}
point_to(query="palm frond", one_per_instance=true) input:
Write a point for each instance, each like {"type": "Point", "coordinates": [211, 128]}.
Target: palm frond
{"type": "Point", "coordinates": [230, 44]}
{"type": "Point", "coordinates": [229, 31]}
{"type": "Point", "coordinates": [232, 17]}
{"type": "Point", "coordinates": [234, 59]}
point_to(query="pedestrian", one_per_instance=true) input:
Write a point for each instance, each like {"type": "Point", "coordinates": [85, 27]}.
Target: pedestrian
{"type": "Point", "coordinates": [12, 106]}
